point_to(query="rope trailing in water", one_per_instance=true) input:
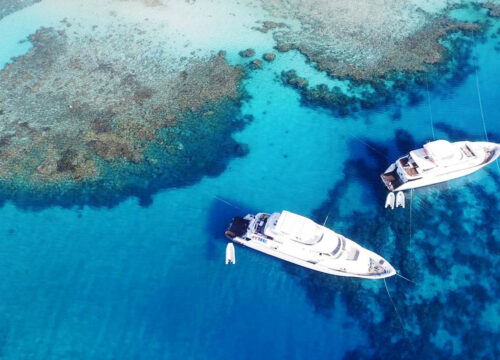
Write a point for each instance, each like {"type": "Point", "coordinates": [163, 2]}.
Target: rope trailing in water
{"type": "Point", "coordinates": [430, 107]}
{"type": "Point", "coordinates": [395, 309]}
{"type": "Point", "coordinates": [228, 203]}
{"type": "Point", "coordinates": [479, 98]}
{"type": "Point", "coordinates": [480, 101]}
{"type": "Point", "coordinates": [403, 277]}
{"type": "Point", "coordinates": [411, 214]}
{"type": "Point", "coordinates": [371, 147]}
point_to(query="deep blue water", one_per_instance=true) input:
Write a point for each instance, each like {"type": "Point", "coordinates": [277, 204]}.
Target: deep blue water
{"type": "Point", "coordinates": [136, 282]}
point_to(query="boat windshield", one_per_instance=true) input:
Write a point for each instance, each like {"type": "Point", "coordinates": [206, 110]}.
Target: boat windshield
{"type": "Point", "coordinates": [337, 248]}
{"type": "Point", "coordinates": [260, 223]}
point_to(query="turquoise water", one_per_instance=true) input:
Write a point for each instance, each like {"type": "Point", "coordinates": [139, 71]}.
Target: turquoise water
{"type": "Point", "coordinates": [133, 282]}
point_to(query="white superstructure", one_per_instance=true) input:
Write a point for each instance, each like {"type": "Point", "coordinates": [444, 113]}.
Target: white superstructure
{"type": "Point", "coordinates": [301, 241]}
{"type": "Point", "coordinates": [439, 161]}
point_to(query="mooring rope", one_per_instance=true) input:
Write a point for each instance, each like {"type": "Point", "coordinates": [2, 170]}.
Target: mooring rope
{"type": "Point", "coordinates": [430, 107]}
{"type": "Point", "coordinates": [228, 203]}
{"type": "Point", "coordinates": [371, 147]}
{"type": "Point", "coordinates": [479, 98]}
{"type": "Point", "coordinates": [411, 214]}
{"type": "Point", "coordinates": [403, 277]}
{"type": "Point", "coordinates": [395, 309]}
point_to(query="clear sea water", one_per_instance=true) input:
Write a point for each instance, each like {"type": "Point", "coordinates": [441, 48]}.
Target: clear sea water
{"type": "Point", "coordinates": [136, 282]}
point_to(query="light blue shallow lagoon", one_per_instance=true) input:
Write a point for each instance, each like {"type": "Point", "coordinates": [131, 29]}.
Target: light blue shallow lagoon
{"type": "Point", "coordinates": [149, 282]}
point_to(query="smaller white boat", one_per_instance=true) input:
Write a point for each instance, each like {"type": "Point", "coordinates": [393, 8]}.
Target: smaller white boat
{"type": "Point", "coordinates": [230, 254]}
{"type": "Point", "coordinates": [389, 201]}
{"type": "Point", "coordinates": [439, 161]}
{"type": "Point", "coordinates": [400, 199]}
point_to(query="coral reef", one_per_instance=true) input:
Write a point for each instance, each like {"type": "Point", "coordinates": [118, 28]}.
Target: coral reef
{"type": "Point", "coordinates": [247, 53]}
{"type": "Point", "coordinates": [493, 9]}
{"type": "Point", "coordinates": [255, 64]}
{"type": "Point", "coordinates": [347, 40]}
{"type": "Point", "coordinates": [269, 25]}
{"type": "Point", "coordinates": [269, 57]}
{"type": "Point", "coordinates": [10, 6]}
{"type": "Point", "coordinates": [395, 86]}
{"type": "Point", "coordinates": [80, 124]}
{"type": "Point", "coordinates": [449, 255]}
{"type": "Point", "coordinates": [382, 51]}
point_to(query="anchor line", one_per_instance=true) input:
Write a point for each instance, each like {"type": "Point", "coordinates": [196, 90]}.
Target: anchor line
{"type": "Point", "coordinates": [479, 98]}
{"type": "Point", "coordinates": [411, 215]}
{"type": "Point", "coordinates": [227, 202]}
{"type": "Point", "coordinates": [403, 277]}
{"type": "Point", "coordinates": [430, 107]}
{"type": "Point", "coordinates": [371, 147]}
{"type": "Point", "coordinates": [395, 309]}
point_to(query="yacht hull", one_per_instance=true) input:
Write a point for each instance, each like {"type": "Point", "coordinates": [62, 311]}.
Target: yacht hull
{"type": "Point", "coordinates": [257, 245]}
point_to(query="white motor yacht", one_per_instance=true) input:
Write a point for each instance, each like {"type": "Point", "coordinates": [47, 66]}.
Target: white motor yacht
{"type": "Point", "coordinates": [301, 241]}
{"type": "Point", "coordinates": [439, 161]}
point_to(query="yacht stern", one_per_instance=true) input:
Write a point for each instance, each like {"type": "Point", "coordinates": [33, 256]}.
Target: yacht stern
{"type": "Point", "coordinates": [238, 227]}
{"type": "Point", "coordinates": [391, 178]}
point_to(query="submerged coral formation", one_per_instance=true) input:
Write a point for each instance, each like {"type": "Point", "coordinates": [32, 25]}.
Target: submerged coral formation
{"type": "Point", "coordinates": [493, 9]}
{"type": "Point", "coordinates": [452, 308]}
{"type": "Point", "coordinates": [89, 120]}
{"type": "Point", "coordinates": [380, 50]}
{"type": "Point", "coordinates": [10, 6]}
{"type": "Point", "coordinates": [269, 57]}
{"type": "Point", "coordinates": [396, 86]}
{"type": "Point", "coordinates": [348, 40]}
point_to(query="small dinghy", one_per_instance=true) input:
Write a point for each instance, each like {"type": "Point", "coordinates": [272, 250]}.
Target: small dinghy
{"type": "Point", "coordinates": [230, 255]}
{"type": "Point", "coordinates": [400, 199]}
{"type": "Point", "coordinates": [389, 201]}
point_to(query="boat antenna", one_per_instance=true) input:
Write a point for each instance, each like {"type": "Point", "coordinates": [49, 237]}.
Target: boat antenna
{"type": "Point", "coordinates": [395, 309]}
{"type": "Point", "coordinates": [326, 219]}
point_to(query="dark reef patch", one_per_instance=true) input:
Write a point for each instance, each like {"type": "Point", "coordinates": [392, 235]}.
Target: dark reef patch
{"type": "Point", "coordinates": [8, 7]}
{"type": "Point", "coordinates": [457, 134]}
{"type": "Point", "coordinates": [449, 248]}
{"type": "Point", "coordinates": [269, 25]}
{"type": "Point", "coordinates": [493, 9]}
{"type": "Point", "coordinates": [269, 57]}
{"type": "Point", "coordinates": [96, 130]}
{"type": "Point", "coordinates": [247, 53]}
